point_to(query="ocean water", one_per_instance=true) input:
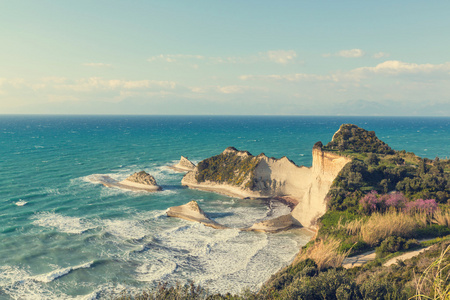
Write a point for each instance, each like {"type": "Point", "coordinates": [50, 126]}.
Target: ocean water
{"type": "Point", "coordinates": [65, 237]}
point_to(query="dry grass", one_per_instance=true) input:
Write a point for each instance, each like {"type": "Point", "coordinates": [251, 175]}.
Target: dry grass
{"type": "Point", "coordinates": [380, 226]}
{"type": "Point", "coordinates": [353, 228]}
{"type": "Point", "coordinates": [441, 217]}
{"type": "Point", "coordinates": [434, 281]}
{"type": "Point", "coordinates": [325, 252]}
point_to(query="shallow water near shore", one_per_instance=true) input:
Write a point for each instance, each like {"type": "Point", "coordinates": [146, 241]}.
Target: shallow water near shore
{"type": "Point", "coordinates": [64, 236]}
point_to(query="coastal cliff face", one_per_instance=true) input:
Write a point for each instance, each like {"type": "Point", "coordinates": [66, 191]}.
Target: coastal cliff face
{"type": "Point", "coordinates": [312, 203]}
{"type": "Point", "coordinates": [240, 174]}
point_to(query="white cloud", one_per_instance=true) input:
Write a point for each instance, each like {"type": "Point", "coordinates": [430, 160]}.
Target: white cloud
{"type": "Point", "coordinates": [289, 77]}
{"type": "Point", "coordinates": [54, 79]}
{"type": "Point", "coordinates": [391, 68]}
{"type": "Point", "coordinates": [231, 89]}
{"type": "Point", "coordinates": [395, 67]}
{"type": "Point", "coordinates": [380, 55]}
{"type": "Point", "coordinates": [170, 58]}
{"type": "Point", "coordinates": [97, 65]}
{"type": "Point", "coordinates": [352, 53]}
{"type": "Point", "coordinates": [97, 83]}
{"type": "Point", "coordinates": [276, 56]}
{"type": "Point", "coordinates": [199, 90]}
{"type": "Point", "coordinates": [282, 56]}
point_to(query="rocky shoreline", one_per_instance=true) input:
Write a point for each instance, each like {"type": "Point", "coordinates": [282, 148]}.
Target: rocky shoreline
{"type": "Point", "coordinates": [239, 174]}
{"type": "Point", "coordinates": [139, 181]}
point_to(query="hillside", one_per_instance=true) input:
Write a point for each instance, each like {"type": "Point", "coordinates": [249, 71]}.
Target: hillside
{"type": "Point", "coordinates": [377, 167]}
{"type": "Point", "coordinates": [378, 199]}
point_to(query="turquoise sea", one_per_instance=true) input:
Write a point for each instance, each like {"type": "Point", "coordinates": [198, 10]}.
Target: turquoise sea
{"type": "Point", "coordinates": [62, 236]}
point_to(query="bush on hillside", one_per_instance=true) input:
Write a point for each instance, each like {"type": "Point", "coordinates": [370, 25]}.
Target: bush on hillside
{"type": "Point", "coordinates": [394, 244]}
{"type": "Point", "coordinates": [351, 137]}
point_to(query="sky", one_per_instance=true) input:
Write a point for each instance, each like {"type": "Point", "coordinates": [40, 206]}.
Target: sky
{"type": "Point", "coordinates": [231, 57]}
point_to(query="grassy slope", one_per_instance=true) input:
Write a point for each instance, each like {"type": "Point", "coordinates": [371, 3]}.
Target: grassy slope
{"type": "Point", "coordinates": [346, 228]}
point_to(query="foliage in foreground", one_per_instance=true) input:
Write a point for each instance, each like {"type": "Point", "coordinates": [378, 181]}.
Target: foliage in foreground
{"type": "Point", "coordinates": [423, 277]}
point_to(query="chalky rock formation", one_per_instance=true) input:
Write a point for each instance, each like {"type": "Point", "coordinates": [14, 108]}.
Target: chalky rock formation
{"type": "Point", "coordinates": [184, 165]}
{"type": "Point", "coordinates": [192, 212]}
{"type": "Point", "coordinates": [139, 181]}
{"type": "Point", "coordinates": [240, 174]}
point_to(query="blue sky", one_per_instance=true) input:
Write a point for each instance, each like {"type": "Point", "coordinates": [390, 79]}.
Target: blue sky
{"type": "Point", "coordinates": [225, 57]}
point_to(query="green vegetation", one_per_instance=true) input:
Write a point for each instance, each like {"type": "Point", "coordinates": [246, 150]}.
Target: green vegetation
{"type": "Point", "coordinates": [363, 212]}
{"type": "Point", "coordinates": [394, 244]}
{"type": "Point", "coordinates": [425, 276]}
{"type": "Point", "coordinates": [375, 166]}
{"type": "Point", "coordinates": [375, 203]}
{"type": "Point", "coordinates": [230, 167]}
{"type": "Point", "coordinates": [351, 137]}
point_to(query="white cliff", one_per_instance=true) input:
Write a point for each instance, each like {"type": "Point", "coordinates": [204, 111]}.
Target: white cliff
{"type": "Point", "coordinates": [279, 178]}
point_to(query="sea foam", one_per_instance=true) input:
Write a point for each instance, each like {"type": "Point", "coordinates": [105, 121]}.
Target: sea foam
{"type": "Point", "coordinates": [62, 223]}
{"type": "Point", "coordinates": [49, 277]}
{"type": "Point", "coordinates": [20, 202]}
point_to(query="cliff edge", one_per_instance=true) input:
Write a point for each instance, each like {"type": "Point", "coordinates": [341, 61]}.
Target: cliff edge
{"type": "Point", "coordinates": [240, 174]}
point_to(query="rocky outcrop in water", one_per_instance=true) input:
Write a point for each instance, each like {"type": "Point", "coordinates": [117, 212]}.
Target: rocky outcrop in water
{"type": "Point", "coordinates": [184, 165]}
{"type": "Point", "coordinates": [142, 177]}
{"type": "Point", "coordinates": [139, 181]}
{"type": "Point", "coordinates": [192, 212]}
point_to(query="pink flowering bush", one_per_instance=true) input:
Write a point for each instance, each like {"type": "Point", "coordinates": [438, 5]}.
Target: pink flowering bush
{"type": "Point", "coordinates": [396, 199]}
{"type": "Point", "coordinates": [374, 202]}
{"type": "Point", "coordinates": [371, 202]}
{"type": "Point", "coordinates": [428, 206]}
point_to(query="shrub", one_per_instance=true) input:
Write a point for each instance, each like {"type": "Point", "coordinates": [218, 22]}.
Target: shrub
{"type": "Point", "coordinates": [394, 244]}
{"type": "Point", "coordinates": [284, 278]}
{"type": "Point", "coordinates": [396, 199]}
{"type": "Point", "coordinates": [164, 291]}
{"type": "Point", "coordinates": [372, 201]}
{"type": "Point", "coordinates": [353, 138]}
{"type": "Point", "coordinates": [428, 206]}
{"type": "Point", "coordinates": [372, 159]}
{"type": "Point", "coordinates": [376, 289]}
{"type": "Point", "coordinates": [333, 284]}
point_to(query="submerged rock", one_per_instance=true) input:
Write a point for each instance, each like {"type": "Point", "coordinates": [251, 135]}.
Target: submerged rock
{"type": "Point", "coordinates": [192, 212]}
